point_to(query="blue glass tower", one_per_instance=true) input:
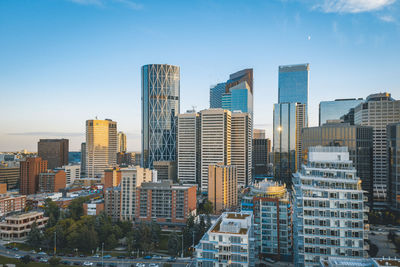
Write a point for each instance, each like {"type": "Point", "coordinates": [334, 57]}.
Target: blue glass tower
{"type": "Point", "coordinates": [334, 110]}
{"type": "Point", "coordinates": [239, 98]}
{"type": "Point", "coordinates": [216, 93]}
{"type": "Point", "coordinates": [293, 84]}
{"type": "Point", "coordinates": [160, 107]}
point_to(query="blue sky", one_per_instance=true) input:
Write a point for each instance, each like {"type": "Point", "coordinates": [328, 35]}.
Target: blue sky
{"type": "Point", "coordinates": [65, 61]}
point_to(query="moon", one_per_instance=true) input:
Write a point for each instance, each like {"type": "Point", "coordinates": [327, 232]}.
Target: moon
{"type": "Point", "coordinates": [309, 38]}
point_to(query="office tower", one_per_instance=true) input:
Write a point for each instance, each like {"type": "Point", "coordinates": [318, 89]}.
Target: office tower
{"type": "Point", "coordinates": [245, 75]}
{"type": "Point", "coordinates": [289, 119]}
{"type": "Point", "coordinates": [393, 139]}
{"type": "Point", "coordinates": [229, 242]}
{"type": "Point", "coordinates": [358, 140]}
{"type": "Point", "coordinates": [112, 202]}
{"type": "Point", "coordinates": [241, 147]}
{"type": "Point", "coordinates": [166, 170]}
{"type": "Point", "coordinates": [293, 84]}
{"type": "Point", "coordinates": [101, 146]}
{"type": "Point", "coordinates": [83, 159]}
{"type": "Point", "coordinates": [171, 204]}
{"type": "Point", "coordinates": [30, 169]}
{"type": "Point", "coordinates": [112, 177]}
{"type": "Point", "coordinates": [222, 187]}
{"type": "Point", "coordinates": [121, 142]}
{"type": "Point", "coordinates": [261, 147]}
{"type": "Point", "coordinates": [216, 93]}
{"type": "Point", "coordinates": [188, 148]}
{"type": "Point", "coordinates": [55, 151]}
{"type": "Point", "coordinates": [10, 174]}
{"type": "Point", "coordinates": [160, 106]}
{"type": "Point", "coordinates": [329, 208]}
{"type": "Point", "coordinates": [52, 181]}
{"type": "Point", "coordinates": [215, 141]}
{"type": "Point", "coordinates": [72, 172]}
{"type": "Point", "coordinates": [348, 117]}
{"type": "Point", "coordinates": [271, 205]}
{"type": "Point", "coordinates": [239, 98]}
{"type": "Point", "coordinates": [334, 110]}
{"type": "Point", "coordinates": [378, 111]}
{"type": "Point", "coordinates": [130, 179]}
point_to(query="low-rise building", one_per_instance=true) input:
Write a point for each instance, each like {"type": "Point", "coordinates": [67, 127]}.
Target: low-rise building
{"type": "Point", "coordinates": [17, 227]}
{"type": "Point", "coordinates": [12, 203]}
{"type": "Point", "coordinates": [271, 205]}
{"type": "Point", "coordinates": [370, 262]}
{"type": "Point", "coordinates": [93, 208]}
{"type": "Point", "coordinates": [52, 181]}
{"type": "Point", "coordinates": [73, 172]}
{"type": "Point", "coordinates": [168, 204]}
{"type": "Point", "coordinates": [229, 242]}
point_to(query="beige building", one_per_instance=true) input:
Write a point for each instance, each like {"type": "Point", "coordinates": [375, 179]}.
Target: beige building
{"type": "Point", "coordinates": [222, 187]}
{"type": "Point", "coordinates": [241, 147]}
{"type": "Point", "coordinates": [166, 170]}
{"type": "Point", "coordinates": [131, 178]}
{"type": "Point", "coordinates": [121, 142]}
{"type": "Point", "coordinates": [215, 141]}
{"type": "Point", "coordinates": [17, 227]}
{"type": "Point", "coordinates": [101, 146]}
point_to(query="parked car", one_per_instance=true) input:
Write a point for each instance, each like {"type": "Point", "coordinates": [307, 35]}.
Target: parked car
{"type": "Point", "coordinates": [77, 263]}
{"type": "Point", "coordinates": [17, 256]}
{"type": "Point", "coordinates": [42, 253]}
{"type": "Point", "coordinates": [121, 257]}
{"type": "Point", "coordinates": [88, 263]}
{"type": "Point", "coordinates": [153, 265]}
{"type": "Point", "coordinates": [70, 255]}
{"type": "Point", "coordinates": [171, 259]}
{"type": "Point", "coordinates": [157, 257]}
{"type": "Point", "coordinates": [82, 256]}
{"type": "Point", "coordinates": [32, 251]}
{"type": "Point", "coordinates": [96, 256]}
{"type": "Point", "coordinates": [43, 260]}
{"type": "Point", "coordinates": [140, 264]}
{"type": "Point", "coordinates": [148, 257]}
{"type": "Point", "coordinates": [107, 256]}
{"type": "Point", "coordinates": [15, 249]}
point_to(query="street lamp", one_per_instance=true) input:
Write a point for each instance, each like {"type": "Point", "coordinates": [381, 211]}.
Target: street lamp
{"type": "Point", "coordinates": [102, 254]}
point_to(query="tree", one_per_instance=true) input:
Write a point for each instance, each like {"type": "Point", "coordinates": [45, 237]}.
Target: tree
{"type": "Point", "coordinates": [52, 211]}
{"type": "Point", "coordinates": [206, 207]}
{"type": "Point", "coordinates": [75, 208]}
{"type": "Point", "coordinates": [26, 259]}
{"type": "Point", "coordinates": [35, 236]}
{"type": "Point", "coordinates": [173, 244]}
{"type": "Point", "coordinates": [54, 261]}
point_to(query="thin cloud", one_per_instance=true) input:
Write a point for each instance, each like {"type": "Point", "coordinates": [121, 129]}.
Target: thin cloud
{"type": "Point", "coordinates": [103, 3]}
{"type": "Point", "coordinates": [48, 134]}
{"type": "Point", "coordinates": [88, 2]}
{"type": "Point", "coordinates": [352, 6]}
{"type": "Point", "coordinates": [387, 18]}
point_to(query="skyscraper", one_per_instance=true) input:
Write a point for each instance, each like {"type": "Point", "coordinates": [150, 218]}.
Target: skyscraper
{"type": "Point", "coordinates": [188, 148]}
{"type": "Point", "coordinates": [329, 208]}
{"type": "Point", "coordinates": [358, 140]}
{"type": "Point", "coordinates": [215, 141]}
{"type": "Point", "coordinates": [55, 151]}
{"type": "Point", "coordinates": [101, 146]}
{"type": "Point", "coordinates": [293, 84]}
{"type": "Point", "coordinates": [121, 142]}
{"type": "Point", "coordinates": [238, 77]}
{"type": "Point", "coordinates": [261, 148]}
{"type": "Point", "coordinates": [393, 132]}
{"type": "Point", "coordinates": [378, 111]}
{"type": "Point", "coordinates": [83, 160]}
{"type": "Point", "coordinates": [160, 106]}
{"type": "Point", "coordinates": [289, 119]}
{"type": "Point", "coordinates": [30, 169]}
{"type": "Point", "coordinates": [241, 147]}
{"type": "Point", "coordinates": [216, 93]}
{"type": "Point", "coordinates": [334, 110]}
{"type": "Point", "coordinates": [222, 187]}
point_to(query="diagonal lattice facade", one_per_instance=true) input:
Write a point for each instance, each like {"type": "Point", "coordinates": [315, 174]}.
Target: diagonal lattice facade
{"type": "Point", "coordinates": [160, 106]}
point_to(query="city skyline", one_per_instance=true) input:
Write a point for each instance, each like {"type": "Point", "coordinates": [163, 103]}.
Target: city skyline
{"type": "Point", "coordinates": [70, 56]}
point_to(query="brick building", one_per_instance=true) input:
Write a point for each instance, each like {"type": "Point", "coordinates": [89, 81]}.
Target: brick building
{"type": "Point", "coordinates": [30, 169]}
{"type": "Point", "coordinates": [52, 181]}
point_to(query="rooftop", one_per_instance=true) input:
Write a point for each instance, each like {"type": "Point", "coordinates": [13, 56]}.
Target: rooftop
{"type": "Point", "coordinates": [233, 223]}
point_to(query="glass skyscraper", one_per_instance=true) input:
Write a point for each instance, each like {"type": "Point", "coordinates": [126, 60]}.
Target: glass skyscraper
{"type": "Point", "coordinates": [293, 83]}
{"type": "Point", "coordinates": [216, 93]}
{"type": "Point", "coordinates": [160, 107]}
{"type": "Point", "coordinates": [334, 110]}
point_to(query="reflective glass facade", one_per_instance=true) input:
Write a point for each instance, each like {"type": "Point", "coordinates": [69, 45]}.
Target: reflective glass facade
{"type": "Point", "coordinates": [293, 83]}
{"type": "Point", "coordinates": [238, 99]}
{"type": "Point", "coordinates": [216, 93]}
{"type": "Point", "coordinates": [393, 132]}
{"type": "Point", "coordinates": [160, 106]}
{"type": "Point", "coordinates": [334, 110]}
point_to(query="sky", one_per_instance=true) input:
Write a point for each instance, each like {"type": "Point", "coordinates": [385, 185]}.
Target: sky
{"type": "Point", "coordinates": [65, 61]}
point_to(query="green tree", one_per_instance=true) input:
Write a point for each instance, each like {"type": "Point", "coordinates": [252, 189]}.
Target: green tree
{"type": "Point", "coordinates": [52, 211]}
{"type": "Point", "coordinates": [75, 208]}
{"type": "Point", "coordinates": [26, 259]}
{"type": "Point", "coordinates": [35, 236]}
{"type": "Point", "coordinates": [173, 244]}
{"type": "Point", "coordinates": [206, 207]}
{"type": "Point", "coordinates": [54, 261]}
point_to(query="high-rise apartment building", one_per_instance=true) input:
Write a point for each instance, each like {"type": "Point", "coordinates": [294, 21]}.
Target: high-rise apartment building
{"type": "Point", "coordinates": [112, 202]}
{"type": "Point", "coordinates": [293, 84]}
{"type": "Point", "coordinates": [112, 177]}
{"type": "Point", "coordinates": [229, 242]}
{"type": "Point", "coordinates": [334, 110]}
{"type": "Point", "coordinates": [215, 141]}
{"type": "Point", "coordinates": [271, 205]}
{"type": "Point", "coordinates": [10, 174]}
{"type": "Point", "coordinates": [188, 148]}
{"type": "Point", "coordinates": [168, 204]}
{"type": "Point", "coordinates": [289, 119]}
{"type": "Point", "coordinates": [30, 169]}
{"type": "Point", "coordinates": [101, 146]}
{"type": "Point", "coordinates": [329, 208]}
{"type": "Point", "coordinates": [393, 139]}
{"type": "Point", "coordinates": [241, 147]}
{"type": "Point", "coordinates": [222, 187]}
{"type": "Point", "coordinates": [55, 151]}
{"type": "Point", "coordinates": [73, 172]}
{"type": "Point", "coordinates": [121, 142]}
{"type": "Point", "coordinates": [131, 178]}
{"type": "Point", "coordinates": [160, 106]}
{"type": "Point", "coordinates": [52, 181]}
{"type": "Point", "coordinates": [261, 149]}
{"type": "Point", "coordinates": [216, 93]}
{"type": "Point", "coordinates": [358, 140]}
{"type": "Point", "coordinates": [378, 111]}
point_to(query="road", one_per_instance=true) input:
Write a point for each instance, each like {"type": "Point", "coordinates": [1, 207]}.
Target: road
{"type": "Point", "coordinates": [183, 262]}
